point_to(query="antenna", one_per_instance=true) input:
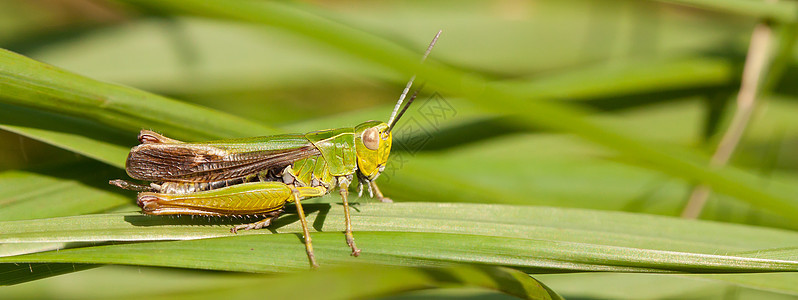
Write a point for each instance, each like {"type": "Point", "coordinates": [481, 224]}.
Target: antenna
{"type": "Point", "coordinates": [392, 120]}
{"type": "Point", "coordinates": [404, 109]}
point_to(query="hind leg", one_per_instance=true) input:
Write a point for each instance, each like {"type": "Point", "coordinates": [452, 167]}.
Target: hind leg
{"type": "Point", "coordinates": [253, 198]}
{"type": "Point", "coordinates": [259, 224]}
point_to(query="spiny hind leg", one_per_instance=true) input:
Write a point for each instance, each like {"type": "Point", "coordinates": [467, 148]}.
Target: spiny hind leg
{"type": "Point", "coordinates": [343, 182]}
{"type": "Point", "coordinates": [259, 224]}
{"type": "Point", "coordinates": [258, 198]}
{"type": "Point", "coordinates": [378, 193]}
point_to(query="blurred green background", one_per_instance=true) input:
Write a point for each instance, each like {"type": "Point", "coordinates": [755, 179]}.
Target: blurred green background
{"type": "Point", "coordinates": [661, 73]}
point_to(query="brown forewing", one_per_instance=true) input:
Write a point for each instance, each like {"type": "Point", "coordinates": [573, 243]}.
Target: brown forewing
{"type": "Point", "coordinates": [205, 163]}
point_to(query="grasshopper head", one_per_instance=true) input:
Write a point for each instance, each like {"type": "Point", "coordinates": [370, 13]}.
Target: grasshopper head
{"type": "Point", "coordinates": [373, 138]}
{"type": "Point", "coordinates": [372, 144]}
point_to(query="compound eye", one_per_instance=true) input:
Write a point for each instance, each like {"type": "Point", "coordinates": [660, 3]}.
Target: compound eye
{"type": "Point", "coordinates": [371, 138]}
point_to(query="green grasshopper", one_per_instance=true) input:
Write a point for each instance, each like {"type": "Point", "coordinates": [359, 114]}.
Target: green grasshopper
{"type": "Point", "coordinates": [258, 176]}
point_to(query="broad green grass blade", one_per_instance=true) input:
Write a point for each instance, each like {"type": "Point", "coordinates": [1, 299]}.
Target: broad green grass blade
{"type": "Point", "coordinates": [364, 281]}
{"type": "Point", "coordinates": [77, 135]}
{"type": "Point", "coordinates": [536, 239]}
{"type": "Point", "coordinates": [64, 190]}
{"type": "Point", "coordinates": [26, 82]}
{"type": "Point", "coordinates": [489, 96]}
{"type": "Point", "coordinates": [284, 252]}
{"type": "Point", "coordinates": [512, 221]}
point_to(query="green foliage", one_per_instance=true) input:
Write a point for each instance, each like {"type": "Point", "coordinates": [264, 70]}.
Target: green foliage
{"type": "Point", "coordinates": [554, 147]}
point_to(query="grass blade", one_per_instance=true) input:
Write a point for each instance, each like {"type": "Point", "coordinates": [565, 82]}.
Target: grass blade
{"type": "Point", "coordinates": [27, 82]}
{"type": "Point", "coordinates": [77, 135]}
{"type": "Point", "coordinates": [532, 238]}
{"type": "Point", "coordinates": [61, 190]}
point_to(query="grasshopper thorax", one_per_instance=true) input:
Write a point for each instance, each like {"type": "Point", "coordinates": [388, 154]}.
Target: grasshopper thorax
{"type": "Point", "coordinates": [373, 145]}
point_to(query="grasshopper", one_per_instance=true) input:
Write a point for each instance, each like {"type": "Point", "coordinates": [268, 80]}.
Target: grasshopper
{"type": "Point", "coordinates": [258, 176]}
